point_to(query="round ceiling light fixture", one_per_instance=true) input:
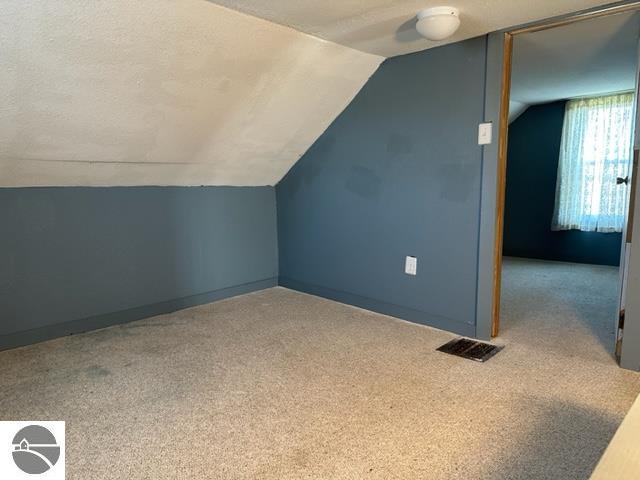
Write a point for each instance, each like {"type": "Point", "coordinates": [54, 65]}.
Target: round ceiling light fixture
{"type": "Point", "coordinates": [438, 23]}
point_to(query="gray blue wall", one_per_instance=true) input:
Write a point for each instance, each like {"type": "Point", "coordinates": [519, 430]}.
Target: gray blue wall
{"type": "Point", "coordinates": [74, 259]}
{"type": "Point", "coordinates": [532, 167]}
{"type": "Point", "coordinates": [396, 174]}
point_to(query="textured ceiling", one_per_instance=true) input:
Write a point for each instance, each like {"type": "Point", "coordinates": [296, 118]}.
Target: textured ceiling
{"type": "Point", "coordinates": [582, 59]}
{"type": "Point", "coordinates": [386, 27]}
{"type": "Point", "coordinates": [190, 92]}
{"type": "Point", "coordinates": [161, 92]}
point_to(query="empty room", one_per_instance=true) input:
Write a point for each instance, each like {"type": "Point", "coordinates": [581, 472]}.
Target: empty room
{"type": "Point", "coordinates": [319, 240]}
{"type": "Point", "coordinates": [569, 161]}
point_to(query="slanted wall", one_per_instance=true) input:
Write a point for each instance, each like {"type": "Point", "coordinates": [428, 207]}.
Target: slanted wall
{"type": "Point", "coordinates": [150, 92]}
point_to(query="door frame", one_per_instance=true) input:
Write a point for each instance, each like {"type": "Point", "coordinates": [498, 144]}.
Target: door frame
{"type": "Point", "coordinates": [500, 55]}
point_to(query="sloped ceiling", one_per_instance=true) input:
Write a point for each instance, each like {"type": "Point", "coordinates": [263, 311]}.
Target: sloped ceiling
{"type": "Point", "coordinates": [592, 57]}
{"type": "Point", "coordinates": [196, 92]}
{"type": "Point", "coordinates": [160, 92]}
{"type": "Point", "coordinates": [386, 27]}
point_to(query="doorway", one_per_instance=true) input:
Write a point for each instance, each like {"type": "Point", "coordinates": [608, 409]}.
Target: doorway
{"type": "Point", "coordinates": [565, 178]}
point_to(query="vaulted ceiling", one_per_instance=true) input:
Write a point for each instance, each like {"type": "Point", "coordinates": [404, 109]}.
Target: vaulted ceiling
{"type": "Point", "coordinates": [196, 92]}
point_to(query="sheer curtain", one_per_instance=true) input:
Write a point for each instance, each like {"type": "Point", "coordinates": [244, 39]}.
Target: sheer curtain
{"type": "Point", "coordinates": [595, 150]}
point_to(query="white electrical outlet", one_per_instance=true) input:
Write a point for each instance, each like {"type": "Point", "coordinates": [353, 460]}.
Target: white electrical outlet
{"type": "Point", "coordinates": [411, 265]}
{"type": "Point", "coordinates": [485, 132]}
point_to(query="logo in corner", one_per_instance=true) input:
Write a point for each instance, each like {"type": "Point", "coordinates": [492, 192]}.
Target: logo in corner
{"type": "Point", "coordinates": [35, 450]}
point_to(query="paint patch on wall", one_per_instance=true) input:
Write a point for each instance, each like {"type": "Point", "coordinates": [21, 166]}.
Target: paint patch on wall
{"type": "Point", "coordinates": [364, 182]}
{"type": "Point", "coordinates": [155, 92]}
{"type": "Point", "coordinates": [399, 144]}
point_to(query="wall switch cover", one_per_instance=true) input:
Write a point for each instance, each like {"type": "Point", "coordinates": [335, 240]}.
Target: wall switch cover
{"type": "Point", "coordinates": [485, 133]}
{"type": "Point", "coordinates": [411, 265]}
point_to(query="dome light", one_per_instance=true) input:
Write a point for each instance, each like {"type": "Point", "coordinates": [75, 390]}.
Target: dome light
{"type": "Point", "coordinates": [438, 23]}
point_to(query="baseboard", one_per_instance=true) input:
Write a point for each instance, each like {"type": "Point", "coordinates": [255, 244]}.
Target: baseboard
{"type": "Point", "coordinates": [404, 313]}
{"type": "Point", "coordinates": [49, 332]}
{"type": "Point", "coordinates": [579, 259]}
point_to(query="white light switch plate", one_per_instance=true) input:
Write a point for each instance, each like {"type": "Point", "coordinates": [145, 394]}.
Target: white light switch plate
{"type": "Point", "coordinates": [485, 133]}
{"type": "Point", "coordinates": [411, 265]}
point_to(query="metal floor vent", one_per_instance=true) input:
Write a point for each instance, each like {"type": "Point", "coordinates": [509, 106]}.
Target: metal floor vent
{"type": "Point", "coordinates": [471, 349]}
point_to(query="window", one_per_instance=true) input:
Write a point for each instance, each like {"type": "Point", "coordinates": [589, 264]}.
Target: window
{"type": "Point", "coordinates": [595, 151]}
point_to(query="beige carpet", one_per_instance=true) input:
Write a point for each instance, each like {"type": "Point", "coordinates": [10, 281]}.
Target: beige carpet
{"type": "Point", "coordinates": [282, 385]}
{"type": "Point", "coordinates": [571, 306]}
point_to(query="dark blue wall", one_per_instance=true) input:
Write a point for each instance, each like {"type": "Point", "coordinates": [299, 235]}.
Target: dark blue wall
{"type": "Point", "coordinates": [396, 174]}
{"type": "Point", "coordinates": [532, 167]}
{"type": "Point", "coordinates": [73, 259]}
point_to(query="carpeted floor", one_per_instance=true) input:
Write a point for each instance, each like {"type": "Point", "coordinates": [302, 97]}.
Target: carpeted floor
{"type": "Point", "coordinates": [572, 307]}
{"type": "Point", "coordinates": [282, 385]}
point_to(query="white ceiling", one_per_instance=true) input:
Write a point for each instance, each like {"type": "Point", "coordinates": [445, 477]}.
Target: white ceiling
{"type": "Point", "coordinates": [160, 92]}
{"type": "Point", "coordinates": [386, 27]}
{"type": "Point", "coordinates": [190, 92]}
{"type": "Point", "coordinates": [591, 57]}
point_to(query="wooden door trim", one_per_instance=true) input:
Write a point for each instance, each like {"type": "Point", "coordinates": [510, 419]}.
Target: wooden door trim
{"type": "Point", "coordinates": [504, 132]}
{"type": "Point", "coordinates": [502, 179]}
{"type": "Point", "coordinates": [577, 17]}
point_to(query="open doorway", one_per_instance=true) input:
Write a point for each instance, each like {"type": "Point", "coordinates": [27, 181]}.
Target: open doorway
{"type": "Point", "coordinates": [567, 182]}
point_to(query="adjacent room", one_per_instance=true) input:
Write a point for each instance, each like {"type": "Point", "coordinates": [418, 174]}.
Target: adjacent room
{"type": "Point", "coordinates": [264, 240]}
{"type": "Point", "coordinates": [569, 162]}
